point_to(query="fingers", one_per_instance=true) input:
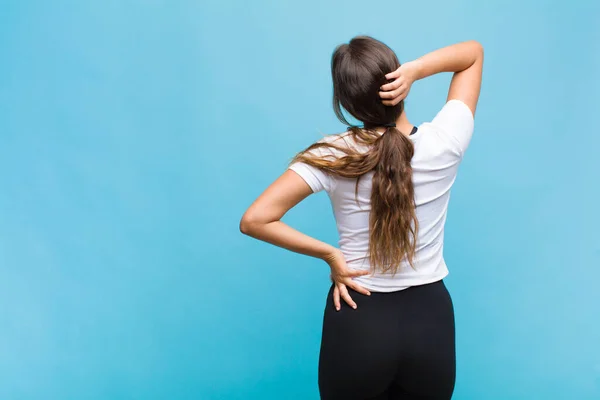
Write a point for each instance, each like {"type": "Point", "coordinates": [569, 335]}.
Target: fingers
{"type": "Point", "coordinates": [393, 75]}
{"type": "Point", "coordinates": [393, 93]}
{"type": "Point", "coordinates": [359, 289]}
{"type": "Point", "coordinates": [394, 101]}
{"type": "Point", "coordinates": [346, 296]}
{"type": "Point", "coordinates": [396, 84]}
{"type": "Point", "coordinates": [358, 272]}
{"type": "Point", "coordinates": [336, 298]}
{"type": "Point", "coordinates": [355, 286]}
{"type": "Point", "coordinates": [341, 291]}
{"type": "Point", "coordinates": [391, 103]}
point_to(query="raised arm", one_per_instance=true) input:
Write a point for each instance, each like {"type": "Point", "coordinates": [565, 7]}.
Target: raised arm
{"type": "Point", "coordinates": [464, 59]}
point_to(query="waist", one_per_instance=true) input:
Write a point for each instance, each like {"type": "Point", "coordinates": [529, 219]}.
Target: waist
{"type": "Point", "coordinates": [400, 281]}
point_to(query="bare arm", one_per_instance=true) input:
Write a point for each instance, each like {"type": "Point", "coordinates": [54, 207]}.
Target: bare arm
{"type": "Point", "coordinates": [464, 59]}
{"type": "Point", "coordinates": [262, 221]}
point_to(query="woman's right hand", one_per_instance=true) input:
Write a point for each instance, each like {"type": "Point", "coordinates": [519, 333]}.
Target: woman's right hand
{"type": "Point", "coordinates": [394, 92]}
{"type": "Point", "coordinates": [342, 276]}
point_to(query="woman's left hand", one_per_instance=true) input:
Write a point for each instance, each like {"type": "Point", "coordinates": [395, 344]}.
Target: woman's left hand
{"type": "Point", "coordinates": [402, 79]}
{"type": "Point", "coordinates": [342, 276]}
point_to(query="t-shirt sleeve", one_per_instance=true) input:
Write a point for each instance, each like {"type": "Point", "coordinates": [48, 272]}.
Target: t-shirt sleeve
{"type": "Point", "coordinates": [313, 176]}
{"type": "Point", "coordinates": [455, 119]}
{"type": "Point", "coordinates": [316, 178]}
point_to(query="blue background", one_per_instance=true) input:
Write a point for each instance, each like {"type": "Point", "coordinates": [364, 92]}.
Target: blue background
{"type": "Point", "coordinates": [134, 134]}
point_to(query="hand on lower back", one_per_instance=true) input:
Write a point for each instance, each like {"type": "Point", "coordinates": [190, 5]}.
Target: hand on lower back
{"type": "Point", "coordinates": [342, 276]}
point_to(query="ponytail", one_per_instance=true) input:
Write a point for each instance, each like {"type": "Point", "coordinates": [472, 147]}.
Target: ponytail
{"type": "Point", "coordinates": [393, 219]}
{"type": "Point", "coordinates": [393, 223]}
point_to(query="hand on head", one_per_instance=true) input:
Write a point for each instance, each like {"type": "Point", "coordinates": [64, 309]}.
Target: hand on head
{"type": "Point", "coordinates": [401, 79]}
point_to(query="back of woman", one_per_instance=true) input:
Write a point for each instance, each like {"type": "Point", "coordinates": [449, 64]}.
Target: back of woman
{"type": "Point", "coordinates": [388, 327]}
{"type": "Point", "coordinates": [439, 146]}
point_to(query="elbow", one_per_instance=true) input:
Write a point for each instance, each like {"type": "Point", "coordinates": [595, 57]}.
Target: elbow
{"type": "Point", "coordinates": [246, 224]}
{"type": "Point", "coordinates": [477, 47]}
{"type": "Point", "coordinates": [253, 222]}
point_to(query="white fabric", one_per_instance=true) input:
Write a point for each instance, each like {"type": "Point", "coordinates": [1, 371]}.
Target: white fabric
{"type": "Point", "coordinates": [439, 148]}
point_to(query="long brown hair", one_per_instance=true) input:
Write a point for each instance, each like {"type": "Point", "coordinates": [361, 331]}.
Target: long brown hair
{"type": "Point", "coordinates": [358, 70]}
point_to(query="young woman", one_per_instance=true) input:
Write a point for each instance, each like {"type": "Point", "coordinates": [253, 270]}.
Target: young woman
{"type": "Point", "coordinates": [389, 182]}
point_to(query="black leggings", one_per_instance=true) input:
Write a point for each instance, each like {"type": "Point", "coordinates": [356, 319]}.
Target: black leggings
{"type": "Point", "coordinates": [397, 345]}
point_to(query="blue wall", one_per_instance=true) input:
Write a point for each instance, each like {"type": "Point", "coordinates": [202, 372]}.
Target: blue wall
{"type": "Point", "coordinates": [133, 135]}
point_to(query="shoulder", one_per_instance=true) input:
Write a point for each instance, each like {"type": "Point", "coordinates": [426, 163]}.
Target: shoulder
{"type": "Point", "coordinates": [334, 142]}
{"type": "Point", "coordinates": [455, 110]}
{"type": "Point", "coordinates": [454, 124]}
{"type": "Point", "coordinates": [315, 177]}
{"type": "Point", "coordinates": [336, 138]}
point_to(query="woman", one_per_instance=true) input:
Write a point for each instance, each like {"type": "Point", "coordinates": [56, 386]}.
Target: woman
{"type": "Point", "coordinates": [389, 183]}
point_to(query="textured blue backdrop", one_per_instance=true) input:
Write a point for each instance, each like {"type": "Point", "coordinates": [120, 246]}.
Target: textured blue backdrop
{"type": "Point", "coordinates": [133, 135]}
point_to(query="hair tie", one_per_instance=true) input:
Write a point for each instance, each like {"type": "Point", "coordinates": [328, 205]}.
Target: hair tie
{"type": "Point", "coordinates": [390, 125]}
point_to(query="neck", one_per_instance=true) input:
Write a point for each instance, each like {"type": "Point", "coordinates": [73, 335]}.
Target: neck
{"type": "Point", "coordinates": [403, 124]}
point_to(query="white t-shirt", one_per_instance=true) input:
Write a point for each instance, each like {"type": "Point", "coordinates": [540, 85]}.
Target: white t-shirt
{"type": "Point", "coordinates": [439, 148]}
